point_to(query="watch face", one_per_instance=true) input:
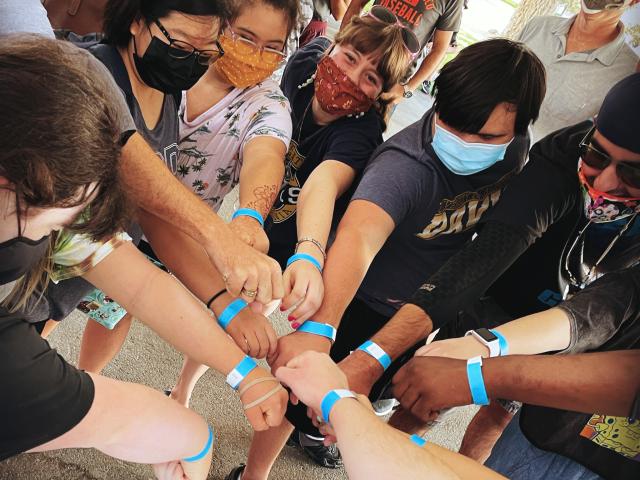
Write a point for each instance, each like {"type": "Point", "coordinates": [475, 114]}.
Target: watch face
{"type": "Point", "coordinates": [486, 335]}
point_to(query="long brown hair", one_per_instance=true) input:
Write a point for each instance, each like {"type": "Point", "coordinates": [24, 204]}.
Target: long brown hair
{"type": "Point", "coordinates": [371, 37]}
{"type": "Point", "coordinates": [59, 136]}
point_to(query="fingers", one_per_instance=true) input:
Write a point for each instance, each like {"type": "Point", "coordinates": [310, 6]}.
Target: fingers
{"type": "Point", "coordinates": [272, 339]}
{"type": "Point", "coordinates": [297, 286]}
{"type": "Point", "coordinates": [274, 407]}
{"type": "Point", "coordinates": [256, 418]}
{"type": "Point", "coordinates": [277, 290]}
{"type": "Point", "coordinates": [252, 339]}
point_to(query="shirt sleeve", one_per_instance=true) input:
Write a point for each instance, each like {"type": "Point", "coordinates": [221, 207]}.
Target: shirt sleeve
{"type": "Point", "coordinates": [451, 17]}
{"type": "Point", "coordinates": [602, 309]}
{"type": "Point", "coordinates": [270, 116]}
{"type": "Point", "coordinates": [103, 77]}
{"type": "Point", "coordinates": [75, 254]}
{"type": "Point", "coordinates": [24, 16]}
{"type": "Point", "coordinates": [354, 143]}
{"type": "Point", "coordinates": [396, 183]}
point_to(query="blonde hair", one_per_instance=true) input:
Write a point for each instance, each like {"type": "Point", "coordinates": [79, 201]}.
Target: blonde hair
{"type": "Point", "coordinates": [372, 37]}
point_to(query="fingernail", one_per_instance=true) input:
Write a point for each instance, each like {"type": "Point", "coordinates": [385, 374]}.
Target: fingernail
{"type": "Point", "coordinates": [291, 318]}
{"type": "Point", "coordinates": [282, 308]}
{"type": "Point", "coordinates": [295, 325]}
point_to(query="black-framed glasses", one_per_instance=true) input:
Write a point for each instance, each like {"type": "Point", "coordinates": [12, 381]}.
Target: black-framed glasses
{"type": "Point", "coordinates": [251, 47]}
{"type": "Point", "coordinates": [181, 49]}
{"type": "Point", "coordinates": [384, 15]}
{"type": "Point", "coordinates": [594, 157]}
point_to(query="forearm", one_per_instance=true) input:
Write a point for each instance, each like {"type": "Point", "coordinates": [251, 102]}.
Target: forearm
{"type": "Point", "coordinates": [339, 8]}
{"type": "Point", "coordinates": [261, 174]}
{"type": "Point", "coordinates": [593, 382]}
{"type": "Point", "coordinates": [353, 10]}
{"type": "Point", "coordinates": [160, 302]}
{"type": "Point", "coordinates": [182, 256]}
{"type": "Point", "coordinates": [546, 331]}
{"type": "Point", "coordinates": [153, 188]}
{"type": "Point", "coordinates": [428, 66]}
{"type": "Point", "coordinates": [406, 328]}
{"type": "Point", "coordinates": [372, 449]}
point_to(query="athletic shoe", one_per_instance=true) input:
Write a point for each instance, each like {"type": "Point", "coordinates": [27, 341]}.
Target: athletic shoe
{"type": "Point", "coordinates": [385, 406]}
{"type": "Point", "coordinates": [236, 473]}
{"type": "Point", "coordinates": [327, 457]}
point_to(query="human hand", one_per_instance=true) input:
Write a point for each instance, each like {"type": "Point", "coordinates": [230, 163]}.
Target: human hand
{"type": "Point", "coordinates": [304, 289]}
{"type": "Point", "coordinates": [310, 376]}
{"type": "Point", "coordinates": [395, 95]}
{"type": "Point", "coordinates": [326, 429]}
{"type": "Point", "coordinates": [294, 344]}
{"type": "Point", "coordinates": [243, 267]}
{"type": "Point", "coordinates": [250, 232]}
{"type": "Point", "coordinates": [426, 385]}
{"type": "Point", "coordinates": [253, 333]}
{"type": "Point", "coordinates": [270, 411]}
{"type": "Point", "coordinates": [462, 348]}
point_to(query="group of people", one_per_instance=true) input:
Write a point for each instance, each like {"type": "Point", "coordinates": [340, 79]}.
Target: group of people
{"type": "Point", "coordinates": [504, 222]}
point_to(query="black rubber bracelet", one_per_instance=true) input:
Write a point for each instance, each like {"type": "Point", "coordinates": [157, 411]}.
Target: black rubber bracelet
{"type": "Point", "coordinates": [211, 300]}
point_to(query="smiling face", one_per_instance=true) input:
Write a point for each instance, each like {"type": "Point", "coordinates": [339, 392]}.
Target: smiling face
{"type": "Point", "coordinates": [361, 69]}
{"type": "Point", "coordinates": [263, 25]}
{"type": "Point", "coordinates": [608, 180]}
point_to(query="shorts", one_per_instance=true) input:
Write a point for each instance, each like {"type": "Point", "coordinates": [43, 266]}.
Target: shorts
{"type": "Point", "coordinates": [104, 309]}
{"type": "Point", "coordinates": [42, 396]}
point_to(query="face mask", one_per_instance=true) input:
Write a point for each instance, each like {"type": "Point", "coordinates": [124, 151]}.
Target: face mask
{"type": "Point", "coordinates": [596, 6]}
{"type": "Point", "coordinates": [337, 94]}
{"type": "Point", "coordinates": [463, 158]}
{"type": "Point", "coordinates": [19, 255]}
{"type": "Point", "coordinates": [159, 70]}
{"type": "Point", "coordinates": [600, 207]}
{"type": "Point", "coordinates": [242, 66]}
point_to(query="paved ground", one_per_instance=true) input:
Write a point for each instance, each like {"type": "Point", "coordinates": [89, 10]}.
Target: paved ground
{"type": "Point", "coordinates": [148, 360]}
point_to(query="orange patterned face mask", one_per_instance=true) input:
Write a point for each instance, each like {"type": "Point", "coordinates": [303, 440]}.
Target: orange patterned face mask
{"type": "Point", "coordinates": [337, 94]}
{"type": "Point", "coordinates": [242, 64]}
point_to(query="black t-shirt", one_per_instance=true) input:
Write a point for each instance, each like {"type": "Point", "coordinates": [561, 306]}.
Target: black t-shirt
{"type": "Point", "coordinates": [607, 317]}
{"type": "Point", "coordinates": [435, 211]}
{"type": "Point", "coordinates": [348, 140]}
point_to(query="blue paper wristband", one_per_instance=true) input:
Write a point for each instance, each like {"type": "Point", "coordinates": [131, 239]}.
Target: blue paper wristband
{"type": "Point", "coordinates": [330, 400]}
{"type": "Point", "coordinates": [419, 441]}
{"type": "Point", "coordinates": [204, 451]}
{"type": "Point", "coordinates": [304, 256]}
{"type": "Point", "coordinates": [376, 352]}
{"type": "Point", "coordinates": [235, 376]}
{"type": "Point", "coordinates": [230, 312]}
{"type": "Point", "coordinates": [502, 341]}
{"type": "Point", "coordinates": [248, 212]}
{"type": "Point", "coordinates": [476, 381]}
{"type": "Point", "coordinates": [321, 329]}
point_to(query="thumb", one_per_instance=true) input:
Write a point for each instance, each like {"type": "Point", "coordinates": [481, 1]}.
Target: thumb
{"type": "Point", "coordinates": [287, 375]}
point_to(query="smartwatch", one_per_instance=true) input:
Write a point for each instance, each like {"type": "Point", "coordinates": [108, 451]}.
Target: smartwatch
{"type": "Point", "coordinates": [407, 91]}
{"type": "Point", "coordinates": [488, 339]}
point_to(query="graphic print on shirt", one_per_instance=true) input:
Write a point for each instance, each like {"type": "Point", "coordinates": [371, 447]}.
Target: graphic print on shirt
{"type": "Point", "coordinates": [410, 12]}
{"type": "Point", "coordinates": [287, 200]}
{"type": "Point", "coordinates": [169, 156]}
{"type": "Point", "coordinates": [619, 434]}
{"type": "Point", "coordinates": [464, 211]}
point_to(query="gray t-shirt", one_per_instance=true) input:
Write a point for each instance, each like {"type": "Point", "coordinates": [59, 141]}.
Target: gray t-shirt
{"type": "Point", "coordinates": [435, 211]}
{"type": "Point", "coordinates": [24, 16]}
{"type": "Point", "coordinates": [577, 82]}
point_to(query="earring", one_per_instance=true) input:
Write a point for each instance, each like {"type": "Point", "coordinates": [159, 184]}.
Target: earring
{"type": "Point", "coordinates": [309, 81]}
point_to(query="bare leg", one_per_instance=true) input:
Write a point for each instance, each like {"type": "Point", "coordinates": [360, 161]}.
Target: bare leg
{"type": "Point", "coordinates": [265, 448]}
{"type": "Point", "coordinates": [483, 432]}
{"type": "Point", "coordinates": [131, 431]}
{"type": "Point", "coordinates": [189, 376]}
{"type": "Point", "coordinates": [100, 345]}
{"type": "Point", "coordinates": [49, 327]}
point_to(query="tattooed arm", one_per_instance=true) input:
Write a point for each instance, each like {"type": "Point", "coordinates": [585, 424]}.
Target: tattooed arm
{"type": "Point", "coordinates": [260, 179]}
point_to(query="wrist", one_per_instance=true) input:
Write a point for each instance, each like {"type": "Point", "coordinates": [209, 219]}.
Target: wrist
{"type": "Point", "coordinates": [366, 365]}
{"type": "Point", "coordinates": [249, 215]}
{"type": "Point", "coordinates": [309, 248]}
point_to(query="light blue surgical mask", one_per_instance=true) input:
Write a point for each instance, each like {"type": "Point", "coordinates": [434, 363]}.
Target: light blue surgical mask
{"type": "Point", "coordinates": [464, 158]}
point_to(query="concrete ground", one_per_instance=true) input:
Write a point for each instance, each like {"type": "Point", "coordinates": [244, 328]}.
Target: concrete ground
{"type": "Point", "coordinates": [148, 360]}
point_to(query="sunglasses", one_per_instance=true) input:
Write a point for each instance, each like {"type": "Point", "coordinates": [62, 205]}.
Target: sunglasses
{"type": "Point", "coordinates": [594, 157]}
{"type": "Point", "coordinates": [382, 15]}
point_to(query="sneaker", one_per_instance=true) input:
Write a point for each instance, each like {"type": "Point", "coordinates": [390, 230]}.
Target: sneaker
{"type": "Point", "coordinates": [385, 406]}
{"type": "Point", "coordinates": [327, 457]}
{"type": "Point", "coordinates": [236, 473]}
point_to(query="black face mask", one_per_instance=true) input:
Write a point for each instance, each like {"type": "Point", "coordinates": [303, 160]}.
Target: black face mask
{"type": "Point", "coordinates": [19, 255]}
{"type": "Point", "coordinates": [158, 69]}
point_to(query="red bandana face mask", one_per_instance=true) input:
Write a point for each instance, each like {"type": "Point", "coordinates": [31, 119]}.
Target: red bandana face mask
{"type": "Point", "coordinates": [336, 92]}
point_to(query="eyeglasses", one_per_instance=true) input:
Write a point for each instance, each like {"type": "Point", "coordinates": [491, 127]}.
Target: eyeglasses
{"type": "Point", "coordinates": [267, 54]}
{"type": "Point", "coordinates": [181, 49]}
{"type": "Point", "coordinates": [593, 157]}
{"type": "Point", "coordinates": [411, 42]}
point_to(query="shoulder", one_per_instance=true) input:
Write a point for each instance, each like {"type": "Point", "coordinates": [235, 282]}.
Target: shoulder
{"type": "Point", "coordinates": [266, 93]}
{"type": "Point", "coordinates": [541, 26]}
{"type": "Point", "coordinates": [562, 145]}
